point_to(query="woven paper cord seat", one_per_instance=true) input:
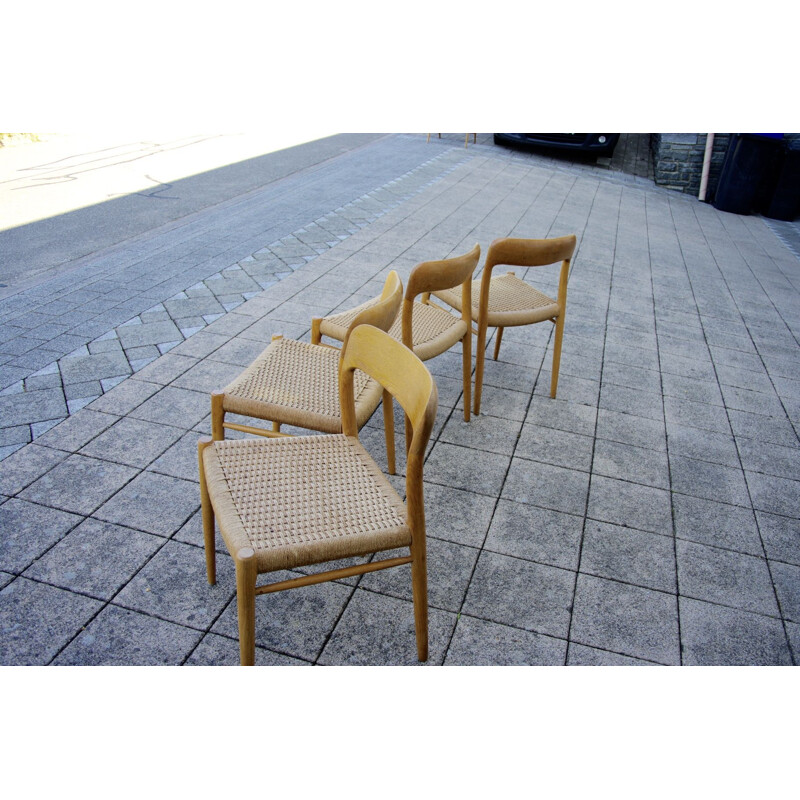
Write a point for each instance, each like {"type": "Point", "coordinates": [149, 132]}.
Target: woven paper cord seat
{"type": "Point", "coordinates": [429, 329]}
{"type": "Point", "coordinates": [302, 500]}
{"type": "Point", "coordinates": [297, 383]}
{"type": "Point", "coordinates": [505, 301]}
{"type": "Point", "coordinates": [433, 332]}
{"type": "Point", "coordinates": [283, 503]}
{"type": "Point", "coordinates": [511, 302]}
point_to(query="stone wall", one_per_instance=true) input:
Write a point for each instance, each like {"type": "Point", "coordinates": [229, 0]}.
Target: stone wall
{"type": "Point", "coordinates": [678, 159]}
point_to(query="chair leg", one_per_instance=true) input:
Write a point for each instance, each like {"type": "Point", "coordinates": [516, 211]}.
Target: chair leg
{"type": "Point", "coordinates": [497, 342]}
{"type": "Point", "coordinates": [316, 336]}
{"type": "Point", "coordinates": [217, 416]}
{"type": "Point", "coordinates": [466, 348]}
{"type": "Point", "coordinates": [388, 427]}
{"type": "Point", "coordinates": [556, 354]}
{"type": "Point", "coordinates": [207, 514]}
{"type": "Point", "coordinates": [246, 605]}
{"type": "Point", "coordinates": [480, 353]}
{"type": "Point", "coordinates": [419, 589]}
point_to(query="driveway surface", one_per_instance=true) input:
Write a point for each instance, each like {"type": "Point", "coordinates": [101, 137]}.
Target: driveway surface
{"type": "Point", "coordinates": [647, 516]}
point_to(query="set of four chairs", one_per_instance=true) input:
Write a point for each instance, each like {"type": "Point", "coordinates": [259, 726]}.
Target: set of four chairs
{"type": "Point", "coordinates": [283, 502]}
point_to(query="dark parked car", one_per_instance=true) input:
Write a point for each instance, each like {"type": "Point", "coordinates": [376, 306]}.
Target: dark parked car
{"type": "Point", "coordinates": [599, 144]}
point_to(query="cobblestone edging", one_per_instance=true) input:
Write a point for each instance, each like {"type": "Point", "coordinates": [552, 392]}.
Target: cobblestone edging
{"type": "Point", "coordinates": [67, 384]}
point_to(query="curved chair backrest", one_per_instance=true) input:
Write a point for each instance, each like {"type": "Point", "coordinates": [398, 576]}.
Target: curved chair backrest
{"type": "Point", "coordinates": [434, 276]}
{"type": "Point", "coordinates": [408, 380]}
{"type": "Point", "coordinates": [530, 252]}
{"type": "Point", "coordinates": [383, 313]}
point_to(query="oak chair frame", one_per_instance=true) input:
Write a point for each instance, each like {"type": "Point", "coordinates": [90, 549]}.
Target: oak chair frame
{"type": "Point", "coordinates": [381, 315]}
{"type": "Point", "coordinates": [426, 278]}
{"type": "Point", "coordinates": [519, 253]}
{"type": "Point", "coordinates": [403, 377]}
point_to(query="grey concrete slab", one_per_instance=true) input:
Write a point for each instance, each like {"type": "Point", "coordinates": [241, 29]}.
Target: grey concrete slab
{"type": "Point", "coordinates": [120, 637]}
{"type": "Point", "coordinates": [465, 468]}
{"type": "Point", "coordinates": [132, 441]}
{"type": "Point", "coordinates": [173, 586]}
{"type": "Point", "coordinates": [617, 426]}
{"type": "Point", "coordinates": [77, 430]}
{"type": "Point", "coordinates": [522, 594]}
{"type": "Point", "coordinates": [27, 465]}
{"type": "Point", "coordinates": [725, 577]}
{"type": "Point", "coordinates": [296, 622]}
{"type": "Point", "coordinates": [629, 556]}
{"type": "Point", "coordinates": [379, 630]}
{"type": "Point", "coordinates": [580, 655]}
{"type": "Point", "coordinates": [477, 642]}
{"type": "Point", "coordinates": [174, 406]}
{"type": "Point", "coordinates": [556, 447]}
{"type": "Point", "coordinates": [631, 401]}
{"type": "Point", "coordinates": [708, 480]}
{"type": "Point", "coordinates": [713, 635]}
{"type": "Point", "coordinates": [219, 651]}
{"type": "Point", "coordinates": [95, 559]}
{"type": "Point", "coordinates": [79, 484]}
{"type": "Point", "coordinates": [547, 486]}
{"type": "Point", "coordinates": [450, 568]}
{"type": "Point", "coordinates": [774, 495]}
{"type": "Point", "coordinates": [456, 515]}
{"type": "Point", "coordinates": [123, 398]}
{"type": "Point", "coordinates": [44, 404]}
{"type": "Point", "coordinates": [717, 524]}
{"type": "Point", "coordinates": [630, 505]}
{"type": "Point", "coordinates": [180, 459]}
{"type": "Point", "coordinates": [535, 534]}
{"type": "Point", "coordinates": [781, 537]}
{"type": "Point", "coordinates": [152, 503]}
{"type": "Point", "coordinates": [29, 530]}
{"type": "Point", "coordinates": [786, 578]}
{"type": "Point", "coordinates": [625, 619]}
{"type": "Point", "coordinates": [703, 445]}
{"type": "Point", "coordinates": [38, 620]}
{"type": "Point", "coordinates": [770, 459]}
{"type": "Point", "coordinates": [489, 434]}
{"type": "Point", "coordinates": [635, 464]}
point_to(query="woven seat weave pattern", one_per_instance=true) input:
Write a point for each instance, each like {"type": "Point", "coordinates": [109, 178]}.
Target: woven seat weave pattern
{"type": "Point", "coordinates": [434, 330]}
{"type": "Point", "coordinates": [511, 301]}
{"type": "Point", "coordinates": [308, 498]}
{"type": "Point", "coordinates": [506, 293]}
{"type": "Point", "coordinates": [300, 377]}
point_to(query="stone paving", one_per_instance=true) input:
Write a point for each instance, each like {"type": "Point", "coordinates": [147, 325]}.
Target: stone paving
{"type": "Point", "coordinates": [36, 326]}
{"type": "Point", "coordinates": [649, 515]}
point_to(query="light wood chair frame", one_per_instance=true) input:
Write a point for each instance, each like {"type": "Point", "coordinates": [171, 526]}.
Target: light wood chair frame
{"type": "Point", "coordinates": [521, 253]}
{"type": "Point", "coordinates": [425, 279]}
{"type": "Point", "coordinates": [405, 378]}
{"type": "Point", "coordinates": [381, 315]}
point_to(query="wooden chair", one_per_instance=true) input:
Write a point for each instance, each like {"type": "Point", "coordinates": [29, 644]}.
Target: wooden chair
{"type": "Point", "coordinates": [428, 329]}
{"type": "Point", "coordinates": [297, 383]}
{"type": "Point", "coordinates": [289, 502]}
{"type": "Point", "coordinates": [505, 301]}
